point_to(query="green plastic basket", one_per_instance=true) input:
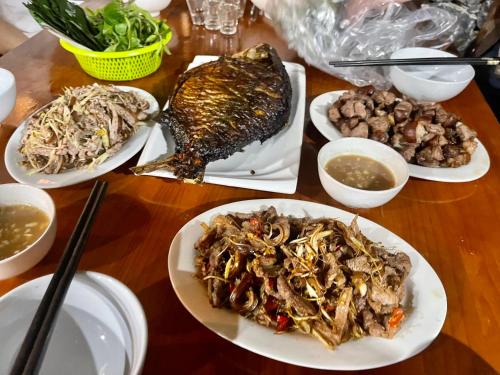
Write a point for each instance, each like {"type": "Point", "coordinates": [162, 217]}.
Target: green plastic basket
{"type": "Point", "coordinates": [119, 66]}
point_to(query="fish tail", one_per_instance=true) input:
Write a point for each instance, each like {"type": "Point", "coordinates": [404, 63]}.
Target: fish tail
{"type": "Point", "coordinates": [153, 166]}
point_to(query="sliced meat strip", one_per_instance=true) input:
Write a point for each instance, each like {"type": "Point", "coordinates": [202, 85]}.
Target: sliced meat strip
{"type": "Point", "coordinates": [372, 326]}
{"type": "Point", "coordinates": [383, 295]}
{"type": "Point", "coordinates": [359, 264]}
{"type": "Point", "coordinates": [299, 304]}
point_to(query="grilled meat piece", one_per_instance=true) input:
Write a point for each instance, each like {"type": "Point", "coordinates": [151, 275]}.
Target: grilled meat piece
{"type": "Point", "coordinates": [220, 107]}
{"type": "Point", "coordinates": [417, 131]}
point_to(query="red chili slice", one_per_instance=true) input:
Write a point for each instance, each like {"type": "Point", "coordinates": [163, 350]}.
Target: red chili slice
{"type": "Point", "coordinates": [283, 323]}
{"type": "Point", "coordinates": [396, 318]}
{"type": "Point", "coordinates": [271, 305]}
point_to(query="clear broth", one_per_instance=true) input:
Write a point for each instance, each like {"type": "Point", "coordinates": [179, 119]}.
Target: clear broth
{"type": "Point", "coordinates": [20, 226]}
{"type": "Point", "coordinates": [360, 172]}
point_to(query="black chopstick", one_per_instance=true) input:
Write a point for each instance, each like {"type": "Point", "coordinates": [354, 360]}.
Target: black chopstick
{"type": "Point", "coordinates": [36, 340]}
{"type": "Point", "coordinates": [419, 61]}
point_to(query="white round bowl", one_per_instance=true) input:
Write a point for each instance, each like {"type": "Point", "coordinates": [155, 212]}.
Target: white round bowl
{"type": "Point", "coordinates": [11, 194]}
{"type": "Point", "coordinates": [443, 82]}
{"type": "Point", "coordinates": [7, 93]}
{"type": "Point", "coordinates": [358, 198]}
{"type": "Point", "coordinates": [100, 329]}
{"type": "Point", "coordinates": [153, 6]}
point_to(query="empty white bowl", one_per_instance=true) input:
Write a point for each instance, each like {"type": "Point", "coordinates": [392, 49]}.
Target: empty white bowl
{"type": "Point", "coordinates": [153, 6]}
{"type": "Point", "coordinates": [101, 327]}
{"type": "Point", "coordinates": [358, 198]}
{"type": "Point", "coordinates": [7, 93]}
{"type": "Point", "coordinates": [429, 83]}
{"type": "Point", "coordinates": [11, 194]}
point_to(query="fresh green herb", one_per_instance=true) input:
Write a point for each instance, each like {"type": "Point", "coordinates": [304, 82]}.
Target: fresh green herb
{"type": "Point", "coordinates": [125, 26]}
{"type": "Point", "coordinates": [118, 26]}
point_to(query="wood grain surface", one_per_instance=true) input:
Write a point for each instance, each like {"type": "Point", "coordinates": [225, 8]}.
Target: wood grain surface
{"type": "Point", "coordinates": [454, 226]}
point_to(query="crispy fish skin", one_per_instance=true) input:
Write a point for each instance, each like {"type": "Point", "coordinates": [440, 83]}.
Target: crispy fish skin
{"type": "Point", "coordinates": [219, 107]}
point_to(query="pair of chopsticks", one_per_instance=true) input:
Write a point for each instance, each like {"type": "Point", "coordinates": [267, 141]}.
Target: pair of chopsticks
{"type": "Point", "coordinates": [419, 61]}
{"type": "Point", "coordinates": [35, 343]}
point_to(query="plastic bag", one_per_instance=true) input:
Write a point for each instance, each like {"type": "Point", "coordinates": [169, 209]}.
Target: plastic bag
{"type": "Point", "coordinates": [326, 30]}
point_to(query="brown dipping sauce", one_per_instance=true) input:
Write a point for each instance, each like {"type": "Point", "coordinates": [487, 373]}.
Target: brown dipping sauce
{"type": "Point", "coordinates": [360, 172]}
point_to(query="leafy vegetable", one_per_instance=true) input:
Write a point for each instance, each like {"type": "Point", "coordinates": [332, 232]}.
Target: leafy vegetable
{"type": "Point", "coordinates": [124, 27]}
{"type": "Point", "coordinates": [118, 26]}
{"type": "Point", "coordinates": [67, 18]}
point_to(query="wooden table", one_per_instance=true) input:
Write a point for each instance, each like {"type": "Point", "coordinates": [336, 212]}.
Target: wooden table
{"type": "Point", "coordinates": [454, 226]}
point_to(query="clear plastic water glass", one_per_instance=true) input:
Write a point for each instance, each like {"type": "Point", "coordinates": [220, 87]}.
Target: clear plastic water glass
{"type": "Point", "coordinates": [228, 17]}
{"type": "Point", "coordinates": [211, 14]}
{"type": "Point", "coordinates": [196, 12]}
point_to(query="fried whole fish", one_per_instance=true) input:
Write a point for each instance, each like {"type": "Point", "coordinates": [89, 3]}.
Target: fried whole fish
{"type": "Point", "coordinates": [219, 107]}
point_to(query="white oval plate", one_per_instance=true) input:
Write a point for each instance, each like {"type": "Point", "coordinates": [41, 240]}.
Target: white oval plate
{"type": "Point", "coordinates": [269, 166]}
{"type": "Point", "coordinates": [101, 327]}
{"type": "Point", "coordinates": [13, 157]}
{"type": "Point", "coordinates": [477, 168]}
{"type": "Point", "coordinates": [426, 296]}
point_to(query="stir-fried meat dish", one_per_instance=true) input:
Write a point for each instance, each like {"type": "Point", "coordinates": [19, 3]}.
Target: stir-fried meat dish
{"type": "Point", "coordinates": [425, 134]}
{"type": "Point", "coordinates": [83, 127]}
{"type": "Point", "coordinates": [218, 108]}
{"type": "Point", "coordinates": [317, 276]}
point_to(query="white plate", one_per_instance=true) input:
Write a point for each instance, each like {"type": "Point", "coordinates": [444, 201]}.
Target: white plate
{"type": "Point", "coordinates": [13, 157]}
{"type": "Point", "coordinates": [477, 168]}
{"type": "Point", "coordinates": [275, 162]}
{"type": "Point", "coordinates": [425, 294]}
{"type": "Point", "coordinates": [101, 328]}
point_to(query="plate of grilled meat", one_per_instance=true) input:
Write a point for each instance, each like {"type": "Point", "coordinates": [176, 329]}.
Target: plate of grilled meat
{"type": "Point", "coordinates": [437, 145]}
{"type": "Point", "coordinates": [86, 132]}
{"type": "Point", "coordinates": [232, 120]}
{"type": "Point", "coordinates": [307, 284]}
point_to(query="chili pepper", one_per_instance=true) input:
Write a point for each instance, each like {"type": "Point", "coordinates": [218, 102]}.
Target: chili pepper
{"type": "Point", "coordinates": [397, 316]}
{"type": "Point", "coordinates": [271, 305]}
{"type": "Point", "coordinates": [283, 323]}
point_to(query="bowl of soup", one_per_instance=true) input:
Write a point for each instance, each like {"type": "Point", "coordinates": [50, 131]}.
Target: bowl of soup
{"type": "Point", "coordinates": [27, 227]}
{"type": "Point", "coordinates": [361, 173]}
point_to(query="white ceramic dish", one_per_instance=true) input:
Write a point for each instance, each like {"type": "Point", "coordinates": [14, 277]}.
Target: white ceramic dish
{"type": "Point", "coordinates": [275, 162]}
{"type": "Point", "coordinates": [11, 194]}
{"type": "Point", "coordinates": [431, 83]}
{"type": "Point", "coordinates": [477, 168]}
{"type": "Point", "coordinates": [49, 181]}
{"type": "Point", "coordinates": [359, 198]}
{"type": "Point", "coordinates": [425, 291]}
{"type": "Point", "coordinates": [101, 328]}
{"type": "Point", "coordinates": [153, 6]}
{"type": "Point", "coordinates": [7, 93]}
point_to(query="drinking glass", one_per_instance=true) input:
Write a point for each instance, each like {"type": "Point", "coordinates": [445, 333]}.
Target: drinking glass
{"type": "Point", "coordinates": [241, 4]}
{"type": "Point", "coordinates": [228, 17]}
{"type": "Point", "coordinates": [211, 14]}
{"type": "Point", "coordinates": [196, 11]}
